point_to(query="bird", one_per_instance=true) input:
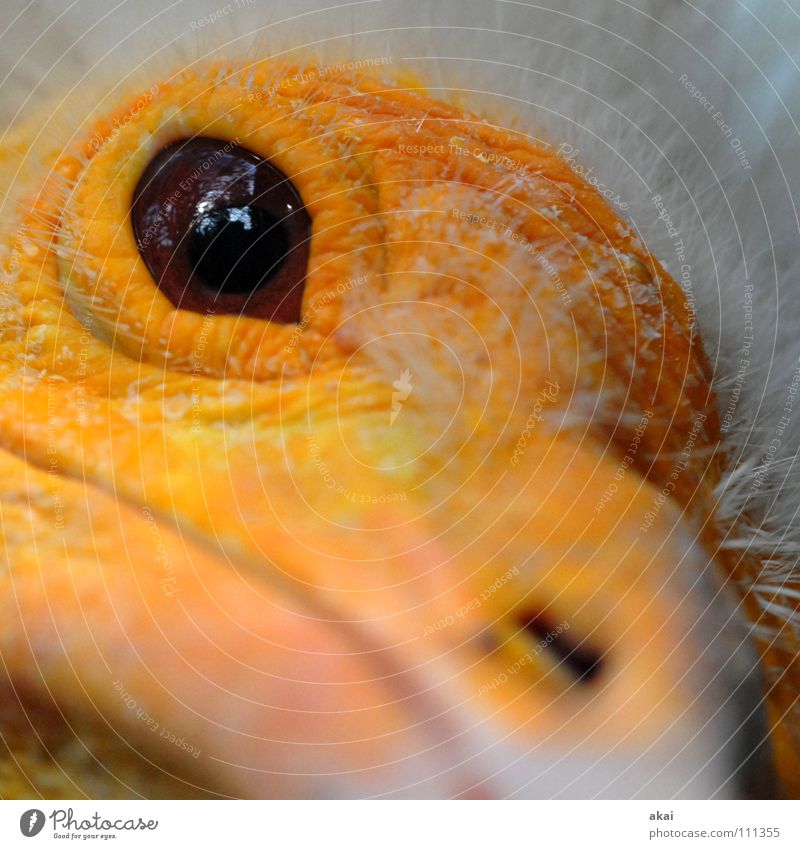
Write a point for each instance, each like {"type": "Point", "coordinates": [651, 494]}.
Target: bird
{"type": "Point", "coordinates": [355, 444]}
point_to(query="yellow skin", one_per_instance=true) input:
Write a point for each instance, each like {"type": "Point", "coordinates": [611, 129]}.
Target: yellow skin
{"type": "Point", "coordinates": [215, 531]}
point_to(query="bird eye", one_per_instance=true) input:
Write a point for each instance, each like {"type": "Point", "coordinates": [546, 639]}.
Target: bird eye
{"type": "Point", "coordinates": [222, 230]}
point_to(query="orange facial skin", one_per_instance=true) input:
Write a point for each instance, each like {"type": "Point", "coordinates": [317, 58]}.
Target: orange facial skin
{"type": "Point", "coordinates": [235, 563]}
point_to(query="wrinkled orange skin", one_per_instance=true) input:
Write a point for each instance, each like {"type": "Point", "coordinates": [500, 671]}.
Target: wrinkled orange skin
{"type": "Point", "coordinates": [120, 445]}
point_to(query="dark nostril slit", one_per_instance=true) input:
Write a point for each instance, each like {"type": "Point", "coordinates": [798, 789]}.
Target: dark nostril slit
{"type": "Point", "coordinates": [583, 662]}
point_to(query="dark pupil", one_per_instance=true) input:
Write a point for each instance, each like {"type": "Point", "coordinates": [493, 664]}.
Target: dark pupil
{"type": "Point", "coordinates": [222, 230]}
{"type": "Point", "coordinates": [238, 248]}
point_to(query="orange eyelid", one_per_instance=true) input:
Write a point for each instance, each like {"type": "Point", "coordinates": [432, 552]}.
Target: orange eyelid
{"type": "Point", "coordinates": [112, 276]}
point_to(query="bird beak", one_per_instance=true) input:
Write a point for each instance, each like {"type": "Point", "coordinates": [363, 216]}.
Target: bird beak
{"type": "Point", "coordinates": [572, 662]}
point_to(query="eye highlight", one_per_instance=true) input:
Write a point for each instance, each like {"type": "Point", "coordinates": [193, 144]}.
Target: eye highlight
{"type": "Point", "coordinates": [222, 230]}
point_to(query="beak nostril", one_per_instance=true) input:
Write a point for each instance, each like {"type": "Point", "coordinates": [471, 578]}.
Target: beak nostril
{"type": "Point", "coordinates": [579, 658]}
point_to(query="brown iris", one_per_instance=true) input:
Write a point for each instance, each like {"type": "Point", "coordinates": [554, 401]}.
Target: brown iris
{"type": "Point", "coordinates": [222, 230]}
